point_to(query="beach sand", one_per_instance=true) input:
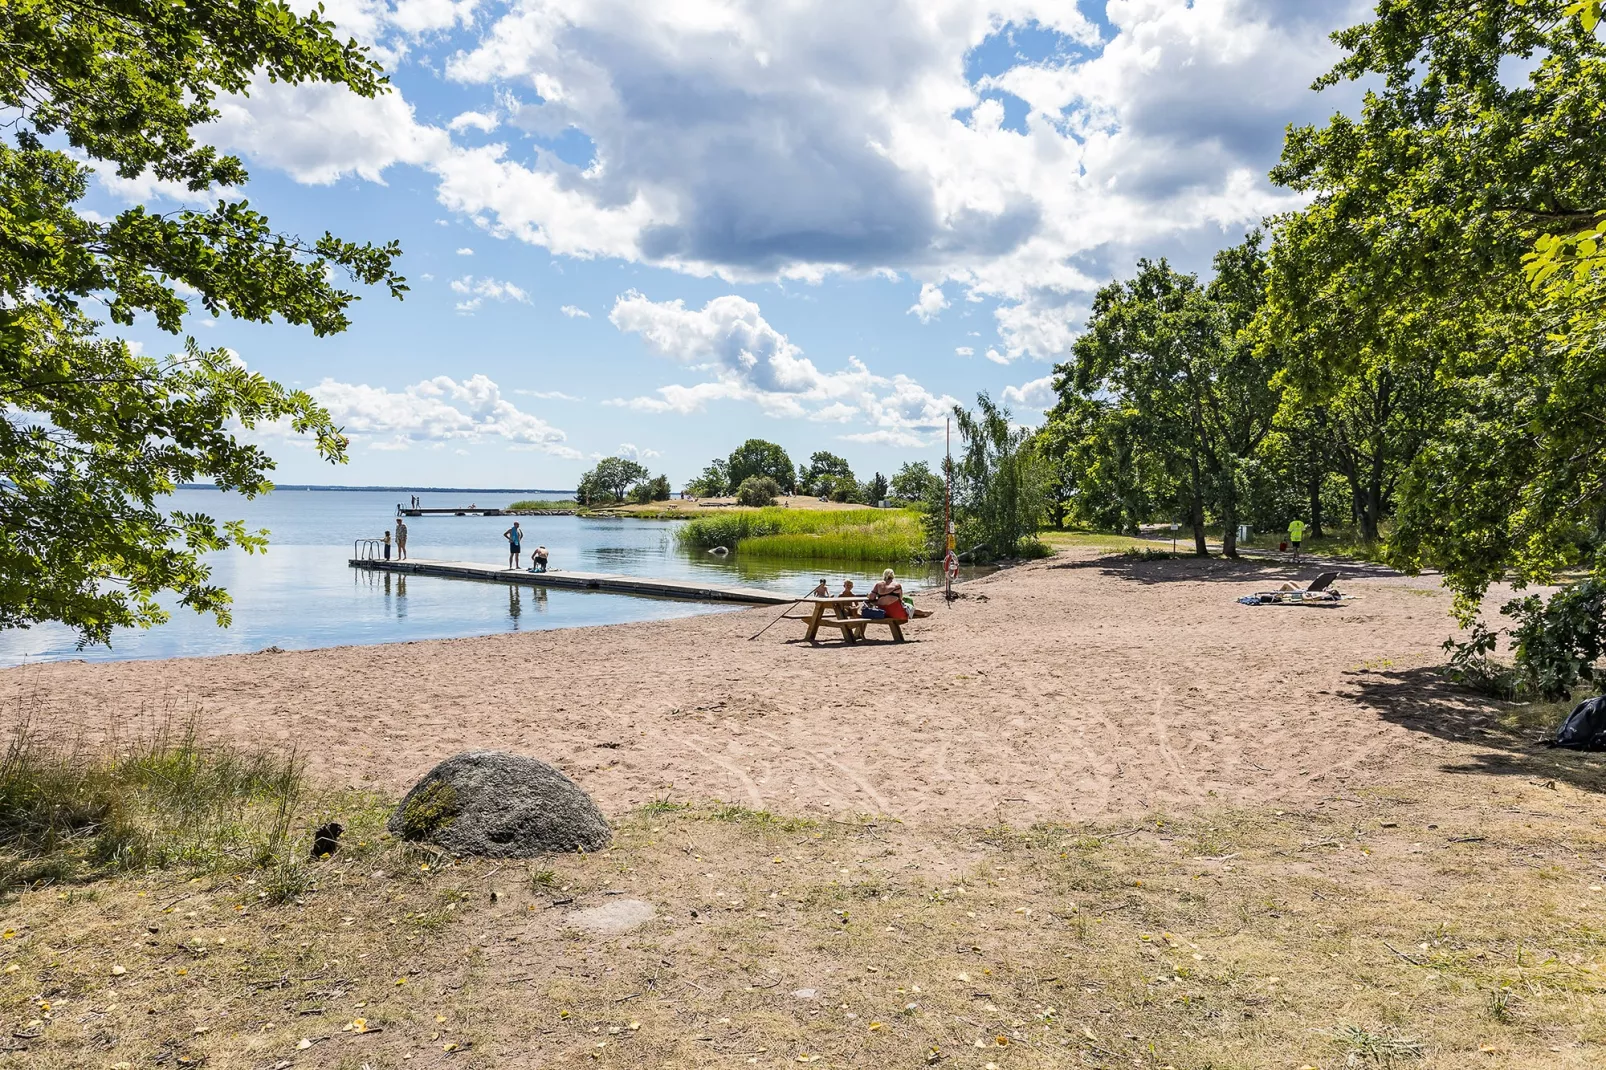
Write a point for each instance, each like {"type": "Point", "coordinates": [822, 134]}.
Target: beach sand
{"type": "Point", "coordinates": [1067, 689]}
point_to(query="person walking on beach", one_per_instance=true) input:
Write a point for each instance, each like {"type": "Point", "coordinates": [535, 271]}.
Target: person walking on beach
{"type": "Point", "coordinates": [1296, 535]}
{"type": "Point", "coordinates": [387, 546]}
{"type": "Point", "coordinates": [401, 539]}
{"type": "Point", "coordinates": [514, 536]}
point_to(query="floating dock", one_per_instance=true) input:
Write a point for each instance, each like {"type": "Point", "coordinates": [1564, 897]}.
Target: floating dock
{"type": "Point", "coordinates": [684, 590]}
{"type": "Point", "coordinates": [461, 510]}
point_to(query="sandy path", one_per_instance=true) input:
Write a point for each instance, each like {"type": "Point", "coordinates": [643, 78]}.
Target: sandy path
{"type": "Point", "coordinates": [1065, 689]}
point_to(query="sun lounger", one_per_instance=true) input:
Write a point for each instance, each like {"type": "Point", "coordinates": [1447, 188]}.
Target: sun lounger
{"type": "Point", "coordinates": [1319, 593]}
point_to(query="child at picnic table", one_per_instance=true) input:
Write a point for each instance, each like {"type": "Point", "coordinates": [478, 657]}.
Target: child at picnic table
{"type": "Point", "coordinates": [847, 590]}
{"type": "Point", "coordinates": [822, 591]}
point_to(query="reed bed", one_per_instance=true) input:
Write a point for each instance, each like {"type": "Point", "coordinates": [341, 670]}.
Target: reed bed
{"type": "Point", "coordinates": [798, 534]}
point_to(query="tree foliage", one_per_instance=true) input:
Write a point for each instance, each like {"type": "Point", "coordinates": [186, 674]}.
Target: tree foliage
{"type": "Point", "coordinates": [914, 482]}
{"type": "Point", "coordinates": [713, 482]}
{"type": "Point", "coordinates": [612, 479]}
{"type": "Point", "coordinates": [756, 457]}
{"type": "Point", "coordinates": [998, 481]}
{"type": "Point", "coordinates": [95, 434]}
{"type": "Point", "coordinates": [822, 473]}
{"type": "Point", "coordinates": [1191, 380]}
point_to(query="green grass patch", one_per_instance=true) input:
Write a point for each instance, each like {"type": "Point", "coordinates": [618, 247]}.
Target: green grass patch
{"type": "Point", "coordinates": [882, 535]}
{"type": "Point", "coordinates": [541, 505]}
{"type": "Point", "coordinates": [1096, 540]}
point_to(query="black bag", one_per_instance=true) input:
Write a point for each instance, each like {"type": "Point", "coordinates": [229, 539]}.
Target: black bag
{"type": "Point", "coordinates": [1585, 727]}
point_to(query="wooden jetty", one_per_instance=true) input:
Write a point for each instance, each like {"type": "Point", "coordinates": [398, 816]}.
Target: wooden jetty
{"type": "Point", "coordinates": [461, 510]}
{"type": "Point", "coordinates": [683, 590]}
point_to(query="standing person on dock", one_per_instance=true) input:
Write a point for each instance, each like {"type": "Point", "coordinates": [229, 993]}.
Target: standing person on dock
{"type": "Point", "coordinates": [401, 539]}
{"type": "Point", "coordinates": [514, 536]}
{"type": "Point", "coordinates": [387, 546]}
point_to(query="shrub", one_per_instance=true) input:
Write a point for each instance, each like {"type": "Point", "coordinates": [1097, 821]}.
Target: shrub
{"type": "Point", "coordinates": [757, 490]}
{"type": "Point", "coordinates": [70, 812]}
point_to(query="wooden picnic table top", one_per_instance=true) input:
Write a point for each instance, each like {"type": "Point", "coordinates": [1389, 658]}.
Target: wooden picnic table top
{"type": "Point", "coordinates": [826, 600]}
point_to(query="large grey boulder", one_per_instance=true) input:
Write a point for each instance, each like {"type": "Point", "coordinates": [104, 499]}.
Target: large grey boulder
{"type": "Point", "coordinates": [493, 804]}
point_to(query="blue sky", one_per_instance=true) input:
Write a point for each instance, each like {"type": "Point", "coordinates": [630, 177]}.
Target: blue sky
{"type": "Point", "coordinates": [661, 229]}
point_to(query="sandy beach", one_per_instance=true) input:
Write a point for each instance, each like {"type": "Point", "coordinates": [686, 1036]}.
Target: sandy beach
{"type": "Point", "coordinates": [1074, 688]}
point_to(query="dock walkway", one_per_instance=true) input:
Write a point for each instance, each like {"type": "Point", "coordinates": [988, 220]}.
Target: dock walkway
{"type": "Point", "coordinates": [684, 590]}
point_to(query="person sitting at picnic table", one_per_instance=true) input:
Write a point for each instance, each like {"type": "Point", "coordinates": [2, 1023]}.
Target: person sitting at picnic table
{"type": "Point", "coordinates": [822, 591]}
{"type": "Point", "coordinates": [847, 590]}
{"type": "Point", "coordinates": [885, 600]}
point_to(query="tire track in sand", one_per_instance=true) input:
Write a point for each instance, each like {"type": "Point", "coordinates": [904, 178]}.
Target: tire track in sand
{"type": "Point", "coordinates": [754, 796]}
{"type": "Point", "coordinates": [859, 779]}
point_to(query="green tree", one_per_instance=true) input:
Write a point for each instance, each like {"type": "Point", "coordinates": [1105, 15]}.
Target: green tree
{"type": "Point", "coordinates": [714, 481]}
{"type": "Point", "coordinates": [913, 482]}
{"type": "Point", "coordinates": [822, 466]}
{"type": "Point", "coordinates": [756, 457]}
{"type": "Point", "coordinates": [612, 478]}
{"type": "Point", "coordinates": [998, 487]}
{"type": "Point", "coordinates": [875, 491]}
{"type": "Point", "coordinates": [94, 435]}
{"type": "Point", "coordinates": [1407, 269]}
{"type": "Point", "coordinates": [1191, 372]}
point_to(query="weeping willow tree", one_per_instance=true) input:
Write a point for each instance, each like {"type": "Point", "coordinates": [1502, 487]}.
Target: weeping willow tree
{"type": "Point", "coordinates": [1000, 482]}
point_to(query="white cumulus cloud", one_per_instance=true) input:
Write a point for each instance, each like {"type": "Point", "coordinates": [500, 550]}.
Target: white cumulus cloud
{"type": "Point", "coordinates": [477, 290]}
{"type": "Point", "coordinates": [751, 140]}
{"type": "Point", "coordinates": [436, 411]}
{"type": "Point", "coordinates": [929, 305]}
{"type": "Point", "coordinates": [575, 312]}
{"type": "Point", "coordinates": [1037, 394]}
{"type": "Point", "coordinates": [749, 360]}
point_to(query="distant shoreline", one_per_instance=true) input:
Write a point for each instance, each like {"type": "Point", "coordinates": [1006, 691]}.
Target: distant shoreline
{"type": "Point", "coordinates": [408, 490]}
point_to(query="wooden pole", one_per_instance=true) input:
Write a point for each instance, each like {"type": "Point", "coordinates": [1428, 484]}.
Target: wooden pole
{"type": "Point", "coordinates": [948, 506]}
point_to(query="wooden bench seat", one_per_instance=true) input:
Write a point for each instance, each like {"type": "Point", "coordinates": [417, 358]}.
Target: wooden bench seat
{"type": "Point", "coordinates": [853, 627]}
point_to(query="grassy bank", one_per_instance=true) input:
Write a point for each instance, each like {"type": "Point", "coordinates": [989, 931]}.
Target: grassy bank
{"type": "Point", "coordinates": [879, 535]}
{"type": "Point", "coordinates": [1397, 929]}
{"type": "Point", "coordinates": [542, 505]}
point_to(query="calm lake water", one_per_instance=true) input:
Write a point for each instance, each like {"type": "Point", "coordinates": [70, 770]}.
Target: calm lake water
{"type": "Point", "coordinates": [302, 593]}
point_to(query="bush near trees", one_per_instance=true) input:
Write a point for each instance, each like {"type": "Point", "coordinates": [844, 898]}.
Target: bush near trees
{"type": "Point", "coordinates": [758, 491]}
{"type": "Point", "coordinates": [94, 434]}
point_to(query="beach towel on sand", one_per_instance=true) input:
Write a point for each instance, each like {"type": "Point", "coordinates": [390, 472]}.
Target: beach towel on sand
{"type": "Point", "coordinates": [1585, 727]}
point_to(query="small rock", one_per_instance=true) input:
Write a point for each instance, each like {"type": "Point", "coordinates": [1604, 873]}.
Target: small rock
{"type": "Point", "coordinates": [118, 971]}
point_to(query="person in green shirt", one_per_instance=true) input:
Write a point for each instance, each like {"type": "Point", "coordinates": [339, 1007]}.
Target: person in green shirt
{"type": "Point", "coordinates": [1296, 535]}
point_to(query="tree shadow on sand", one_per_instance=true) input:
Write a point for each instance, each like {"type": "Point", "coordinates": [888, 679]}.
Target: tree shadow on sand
{"type": "Point", "coordinates": [1265, 574]}
{"type": "Point", "coordinates": [1423, 700]}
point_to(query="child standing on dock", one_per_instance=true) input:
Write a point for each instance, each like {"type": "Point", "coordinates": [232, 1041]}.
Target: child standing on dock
{"type": "Point", "coordinates": [401, 539]}
{"type": "Point", "coordinates": [514, 536]}
{"type": "Point", "coordinates": [387, 546]}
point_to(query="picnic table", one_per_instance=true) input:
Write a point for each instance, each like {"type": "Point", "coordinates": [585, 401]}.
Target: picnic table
{"type": "Point", "coordinates": [852, 627]}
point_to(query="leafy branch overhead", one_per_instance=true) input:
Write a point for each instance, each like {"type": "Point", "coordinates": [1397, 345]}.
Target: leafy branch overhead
{"type": "Point", "coordinates": [95, 434]}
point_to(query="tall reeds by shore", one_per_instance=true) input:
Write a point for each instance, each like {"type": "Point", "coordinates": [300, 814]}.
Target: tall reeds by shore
{"type": "Point", "coordinates": [821, 535]}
